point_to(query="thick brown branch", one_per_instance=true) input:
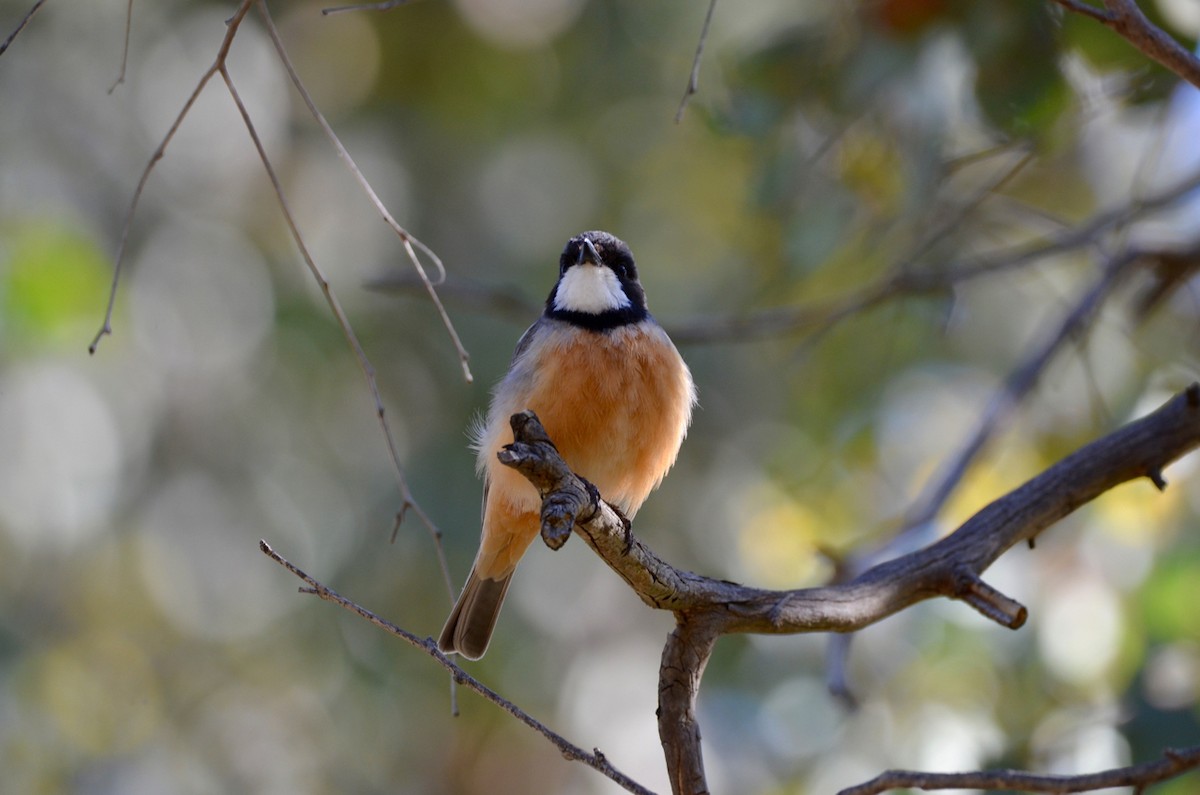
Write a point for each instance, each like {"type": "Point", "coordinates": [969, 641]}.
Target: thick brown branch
{"type": "Point", "coordinates": [1173, 763]}
{"type": "Point", "coordinates": [1127, 20]}
{"type": "Point", "coordinates": [685, 656]}
{"type": "Point", "coordinates": [1139, 449]}
{"type": "Point", "coordinates": [706, 608]}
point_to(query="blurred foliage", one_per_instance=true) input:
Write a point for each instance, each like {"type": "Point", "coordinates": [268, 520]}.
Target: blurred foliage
{"type": "Point", "coordinates": [147, 646]}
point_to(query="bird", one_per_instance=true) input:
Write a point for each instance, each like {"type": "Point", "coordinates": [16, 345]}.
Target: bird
{"type": "Point", "coordinates": [612, 392]}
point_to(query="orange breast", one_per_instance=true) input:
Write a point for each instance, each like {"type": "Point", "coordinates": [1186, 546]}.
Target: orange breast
{"type": "Point", "coordinates": [617, 405]}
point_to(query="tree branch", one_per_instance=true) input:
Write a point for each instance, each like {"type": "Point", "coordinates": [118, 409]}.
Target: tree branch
{"type": "Point", "coordinates": [706, 608]}
{"type": "Point", "coordinates": [684, 658]}
{"type": "Point", "coordinates": [1017, 386]}
{"type": "Point", "coordinates": [916, 526]}
{"type": "Point", "coordinates": [124, 47]}
{"type": "Point", "coordinates": [232, 25]}
{"type": "Point", "coordinates": [1141, 448]}
{"type": "Point", "coordinates": [410, 244]}
{"type": "Point", "coordinates": [900, 280]}
{"type": "Point", "coordinates": [1173, 763]}
{"type": "Point", "coordinates": [20, 26]}
{"type": "Point", "coordinates": [595, 760]}
{"type": "Point", "coordinates": [1127, 20]}
{"type": "Point", "coordinates": [693, 84]}
{"type": "Point", "coordinates": [220, 66]}
{"type": "Point", "coordinates": [387, 5]}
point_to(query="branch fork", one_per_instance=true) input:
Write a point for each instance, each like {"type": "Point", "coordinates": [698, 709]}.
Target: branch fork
{"type": "Point", "coordinates": [707, 608]}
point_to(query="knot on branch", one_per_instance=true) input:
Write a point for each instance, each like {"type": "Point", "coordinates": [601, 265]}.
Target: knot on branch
{"type": "Point", "coordinates": [566, 497]}
{"type": "Point", "coordinates": [1004, 610]}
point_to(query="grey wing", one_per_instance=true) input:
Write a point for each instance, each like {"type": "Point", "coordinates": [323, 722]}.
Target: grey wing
{"type": "Point", "coordinates": [522, 345]}
{"type": "Point", "coordinates": [526, 339]}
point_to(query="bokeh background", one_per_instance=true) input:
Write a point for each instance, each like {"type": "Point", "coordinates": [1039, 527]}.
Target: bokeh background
{"type": "Point", "coordinates": [146, 646]}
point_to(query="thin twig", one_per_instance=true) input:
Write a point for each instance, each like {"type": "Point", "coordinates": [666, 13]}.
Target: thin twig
{"type": "Point", "coordinates": [21, 25]}
{"type": "Point", "coordinates": [953, 221]}
{"type": "Point", "coordinates": [411, 244]}
{"type": "Point", "coordinates": [385, 6]}
{"type": "Point", "coordinates": [694, 78]}
{"type": "Point", "coordinates": [506, 302]}
{"type": "Point", "coordinates": [916, 528]}
{"type": "Point", "coordinates": [903, 282]}
{"type": "Point", "coordinates": [125, 48]}
{"type": "Point", "coordinates": [219, 66]}
{"type": "Point", "coordinates": [959, 162]}
{"type": "Point", "coordinates": [1080, 7]}
{"type": "Point", "coordinates": [1019, 383]}
{"type": "Point", "coordinates": [1174, 763]}
{"type": "Point", "coordinates": [360, 355]}
{"type": "Point", "coordinates": [595, 760]}
{"type": "Point", "coordinates": [119, 260]}
{"type": "Point", "coordinates": [818, 317]}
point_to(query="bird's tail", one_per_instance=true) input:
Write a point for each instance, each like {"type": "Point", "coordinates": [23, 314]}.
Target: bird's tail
{"type": "Point", "coordinates": [469, 628]}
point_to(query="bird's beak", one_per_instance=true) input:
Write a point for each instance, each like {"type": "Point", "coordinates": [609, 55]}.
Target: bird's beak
{"type": "Point", "coordinates": [588, 253]}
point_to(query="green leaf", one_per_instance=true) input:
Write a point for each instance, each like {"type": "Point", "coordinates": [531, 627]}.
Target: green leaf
{"type": "Point", "coordinates": [53, 279]}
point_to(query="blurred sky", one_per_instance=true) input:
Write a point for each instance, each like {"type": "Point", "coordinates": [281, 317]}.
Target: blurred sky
{"type": "Point", "coordinates": [146, 645]}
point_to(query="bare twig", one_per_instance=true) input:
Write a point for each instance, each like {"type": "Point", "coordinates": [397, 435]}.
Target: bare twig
{"type": "Point", "coordinates": [410, 243]}
{"type": "Point", "coordinates": [385, 6]}
{"type": "Point", "coordinates": [1087, 10]}
{"type": "Point", "coordinates": [1175, 762]}
{"type": "Point", "coordinates": [951, 222]}
{"type": "Point", "coordinates": [505, 302]}
{"type": "Point", "coordinates": [812, 318]}
{"type": "Point", "coordinates": [360, 355]}
{"type": "Point", "coordinates": [231, 30]}
{"type": "Point", "coordinates": [219, 67]}
{"type": "Point", "coordinates": [124, 48]}
{"type": "Point", "coordinates": [693, 84]}
{"type": "Point", "coordinates": [1126, 19]}
{"type": "Point", "coordinates": [1016, 387]}
{"type": "Point", "coordinates": [21, 25]}
{"type": "Point", "coordinates": [971, 157]}
{"type": "Point", "coordinates": [817, 317]}
{"type": "Point", "coordinates": [916, 528]}
{"type": "Point", "coordinates": [595, 760]}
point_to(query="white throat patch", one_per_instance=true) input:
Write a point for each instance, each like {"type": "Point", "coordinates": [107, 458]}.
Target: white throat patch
{"type": "Point", "coordinates": [594, 289]}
